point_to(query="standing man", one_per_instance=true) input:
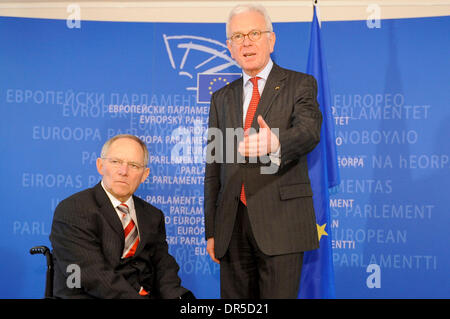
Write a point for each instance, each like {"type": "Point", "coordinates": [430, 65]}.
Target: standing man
{"type": "Point", "coordinates": [258, 225]}
{"type": "Point", "coordinates": [116, 240]}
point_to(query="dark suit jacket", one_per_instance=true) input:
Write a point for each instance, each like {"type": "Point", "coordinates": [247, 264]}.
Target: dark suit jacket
{"type": "Point", "coordinates": [86, 231]}
{"type": "Point", "coordinates": [280, 206]}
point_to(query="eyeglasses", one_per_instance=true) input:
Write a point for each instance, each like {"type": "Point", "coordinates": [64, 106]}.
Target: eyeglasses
{"type": "Point", "coordinates": [118, 163]}
{"type": "Point", "coordinates": [253, 35]}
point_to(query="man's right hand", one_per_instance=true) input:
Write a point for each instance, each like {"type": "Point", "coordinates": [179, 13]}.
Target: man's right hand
{"type": "Point", "coordinates": [210, 249]}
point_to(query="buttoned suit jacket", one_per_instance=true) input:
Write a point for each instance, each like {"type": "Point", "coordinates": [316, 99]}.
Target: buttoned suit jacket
{"type": "Point", "coordinates": [87, 232]}
{"type": "Point", "coordinates": [279, 205]}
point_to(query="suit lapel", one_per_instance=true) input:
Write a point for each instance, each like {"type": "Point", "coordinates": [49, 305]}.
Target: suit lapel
{"type": "Point", "coordinates": [272, 89]}
{"type": "Point", "coordinates": [142, 222]}
{"type": "Point", "coordinates": [237, 101]}
{"type": "Point", "coordinates": [107, 210]}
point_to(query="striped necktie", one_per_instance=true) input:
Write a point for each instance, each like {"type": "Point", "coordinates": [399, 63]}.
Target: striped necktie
{"type": "Point", "coordinates": [130, 232]}
{"type": "Point", "coordinates": [131, 237]}
{"type": "Point", "coordinates": [249, 119]}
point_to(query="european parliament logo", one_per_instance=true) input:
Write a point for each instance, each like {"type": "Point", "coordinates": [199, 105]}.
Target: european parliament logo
{"type": "Point", "coordinates": [203, 59]}
{"type": "Point", "coordinates": [207, 84]}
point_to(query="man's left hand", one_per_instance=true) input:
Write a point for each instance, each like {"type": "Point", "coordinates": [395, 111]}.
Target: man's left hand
{"type": "Point", "coordinates": [261, 143]}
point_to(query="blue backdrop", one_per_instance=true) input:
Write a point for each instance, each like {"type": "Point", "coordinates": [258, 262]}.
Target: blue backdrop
{"type": "Point", "coordinates": [64, 92]}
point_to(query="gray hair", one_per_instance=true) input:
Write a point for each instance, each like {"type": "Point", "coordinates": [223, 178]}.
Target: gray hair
{"type": "Point", "coordinates": [242, 8]}
{"type": "Point", "coordinates": [108, 143]}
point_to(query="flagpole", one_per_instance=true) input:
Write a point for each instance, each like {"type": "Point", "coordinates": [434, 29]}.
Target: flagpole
{"type": "Point", "coordinates": [316, 5]}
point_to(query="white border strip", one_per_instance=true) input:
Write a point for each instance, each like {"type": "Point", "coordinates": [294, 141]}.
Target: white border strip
{"type": "Point", "coordinates": [216, 4]}
{"type": "Point", "coordinates": [217, 11]}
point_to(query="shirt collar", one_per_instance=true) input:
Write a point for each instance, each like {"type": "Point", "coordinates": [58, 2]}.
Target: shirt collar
{"type": "Point", "coordinates": [115, 202]}
{"type": "Point", "coordinates": [264, 74]}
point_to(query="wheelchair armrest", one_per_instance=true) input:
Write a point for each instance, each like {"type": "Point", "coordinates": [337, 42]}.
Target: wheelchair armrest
{"type": "Point", "coordinates": [39, 250]}
{"type": "Point", "coordinates": [44, 250]}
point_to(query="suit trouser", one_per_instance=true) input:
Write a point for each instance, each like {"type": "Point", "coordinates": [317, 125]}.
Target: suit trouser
{"type": "Point", "coordinates": [247, 273]}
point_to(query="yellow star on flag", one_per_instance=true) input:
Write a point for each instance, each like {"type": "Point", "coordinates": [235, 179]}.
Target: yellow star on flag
{"type": "Point", "coordinates": [321, 230]}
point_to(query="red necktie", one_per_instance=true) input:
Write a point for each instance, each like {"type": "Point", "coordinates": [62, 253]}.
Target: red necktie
{"type": "Point", "coordinates": [249, 119]}
{"type": "Point", "coordinates": [130, 232]}
{"type": "Point", "coordinates": [131, 237]}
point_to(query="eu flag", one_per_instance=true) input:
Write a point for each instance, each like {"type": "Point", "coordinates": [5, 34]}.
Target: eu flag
{"type": "Point", "coordinates": [317, 279]}
{"type": "Point", "coordinates": [208, 83]}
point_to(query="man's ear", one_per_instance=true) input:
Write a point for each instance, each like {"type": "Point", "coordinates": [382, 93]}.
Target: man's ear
{"type": "Point", "coordinates": [229, 48]}
{"type": "Point", "coordinates": [99, 164]}
{"type": "Point", "coordinates": [273, 38]}
{"type": "Point", "coordinates": [145, 175]}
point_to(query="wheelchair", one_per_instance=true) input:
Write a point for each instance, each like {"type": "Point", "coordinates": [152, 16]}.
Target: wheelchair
{"type": "Point", "coordinates": [44, 250]}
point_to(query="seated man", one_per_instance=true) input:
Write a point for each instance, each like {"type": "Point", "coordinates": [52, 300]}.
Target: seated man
{"type": "Point", "coordinates": [117, 240]}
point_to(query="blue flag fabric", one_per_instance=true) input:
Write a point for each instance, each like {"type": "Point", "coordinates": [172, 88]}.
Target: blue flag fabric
{"type": "Point", "coordinates": [317, 280]}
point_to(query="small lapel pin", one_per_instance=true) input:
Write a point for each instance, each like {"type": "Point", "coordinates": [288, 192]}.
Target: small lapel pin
{"type": "Point", "coordinates": [277, 88]}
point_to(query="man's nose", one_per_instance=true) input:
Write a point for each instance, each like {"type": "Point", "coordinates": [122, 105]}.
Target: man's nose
{"type": "Point", "coordinates": [123, 169]}
{"type": "Point", "coordinates": [247, 40]}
